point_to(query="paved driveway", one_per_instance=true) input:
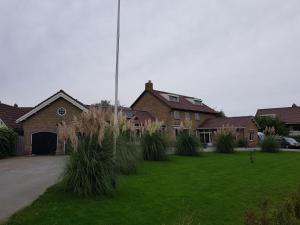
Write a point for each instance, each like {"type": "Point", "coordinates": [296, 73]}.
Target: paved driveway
{"type": "Point", "coordinates": [24, 179]}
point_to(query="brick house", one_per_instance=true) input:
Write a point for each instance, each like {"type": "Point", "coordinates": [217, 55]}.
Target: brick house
{"type": "Point", "coordinates": [174, 109]}
{"type": "Point", "coordinates": [290, 116]}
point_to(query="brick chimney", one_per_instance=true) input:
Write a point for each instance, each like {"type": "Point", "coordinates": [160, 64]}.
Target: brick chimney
{"type": "Point", "coordinates": [149, 86]}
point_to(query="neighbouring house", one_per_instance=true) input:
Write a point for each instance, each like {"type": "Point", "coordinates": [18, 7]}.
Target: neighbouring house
{"type": "Point", "coordinates": [290, 116]}
{"type": "Point", "coordinates": [245, 126]}
{"type": "Point", "coordinates": [9, 114]}
{"type": "Point", "coordinates": [39, 125]}
{"type": "Point", "coordinates": [173, 109]}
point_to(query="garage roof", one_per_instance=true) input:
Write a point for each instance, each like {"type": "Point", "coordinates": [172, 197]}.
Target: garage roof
{"type": "Point", "coordinates": [48, 101]}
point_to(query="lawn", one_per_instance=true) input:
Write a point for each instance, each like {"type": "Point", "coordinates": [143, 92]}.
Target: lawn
{"type": "Point", "coordinates": [214, 189]}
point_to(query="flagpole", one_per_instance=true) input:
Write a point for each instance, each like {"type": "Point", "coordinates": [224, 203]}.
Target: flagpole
{"type": "Point", "coordinates": [117, 79]}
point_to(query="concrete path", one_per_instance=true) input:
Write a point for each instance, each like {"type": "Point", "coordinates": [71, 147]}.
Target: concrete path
{"type": "Point", "coordinates": [24, 179]}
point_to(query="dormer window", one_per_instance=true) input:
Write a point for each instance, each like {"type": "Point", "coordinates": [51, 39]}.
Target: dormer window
{"type": "Point", "coordinates": [198, 102]}
{"type": "Point", "coordinates": [173, 98]}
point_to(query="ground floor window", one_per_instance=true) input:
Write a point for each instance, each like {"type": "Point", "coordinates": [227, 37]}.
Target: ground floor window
{"type": "Point", "coordinates": [205, 135]}
{"type": "Point", "coordinates": [251, 135]}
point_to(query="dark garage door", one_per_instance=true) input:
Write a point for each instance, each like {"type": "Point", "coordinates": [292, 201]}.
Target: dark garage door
{"type": "Point", "coordinates": [44, 143]}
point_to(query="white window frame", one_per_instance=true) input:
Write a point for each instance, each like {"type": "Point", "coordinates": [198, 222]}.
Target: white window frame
{"type": "Point", "coordinates": [58, 111]}
{"type": "Point", "coordinates": [176, 115]}
{"type": "Point", "coordinates": [174, 96]}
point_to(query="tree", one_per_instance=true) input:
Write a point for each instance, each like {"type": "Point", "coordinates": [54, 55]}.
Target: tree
{"type": "Point", "coordinates": [265, 121]}
{"type": "Point", "coordinates": [103, 103]}
{"type": "Point", "coordinates": [221, 114]}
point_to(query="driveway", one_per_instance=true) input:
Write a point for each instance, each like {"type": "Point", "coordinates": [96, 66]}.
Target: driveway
{"type": "Point", "coordinates": [24, 179]}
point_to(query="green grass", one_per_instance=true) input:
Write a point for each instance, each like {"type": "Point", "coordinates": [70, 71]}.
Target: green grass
{"type": "Point", "coordinates": [215, 188]}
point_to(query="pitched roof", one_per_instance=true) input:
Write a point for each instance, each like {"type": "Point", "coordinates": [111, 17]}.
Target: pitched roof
{"type": "Point", "coordinates": [238, 122]}
{"type": "Point", "coordinates": [58, 95]}
{"type": "Point", "coordinates": [137, 116]}
{"type": "Point", "coordinates": [184, 102]}
{"type": "Point", "coordinates": [288, 115]}
{"type": "Point", "coordinates": [9, 115]}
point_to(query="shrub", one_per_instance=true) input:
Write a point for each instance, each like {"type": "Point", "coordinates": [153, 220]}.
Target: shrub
{"type": "Point", "coordinates": [154, 146]}
{"type": "Point", "coordinates": [270, 144]}
{"type": "Point", "coordinates": [225, 140]}
{"type": "Point", "coordinates": [287, 214]}
{"type": "Point", "coordinates": [187, 144]}
{"type": "Point", "coordinates": [90, 170]}
{"type": "Point", "coordinates": [8, 140]}
{"type": "Point", "coordinates": [242, 143]}
{"type": "Point", "coordinates": [128, 155]}
{"type": "Point", "coordinates": [153, 142]}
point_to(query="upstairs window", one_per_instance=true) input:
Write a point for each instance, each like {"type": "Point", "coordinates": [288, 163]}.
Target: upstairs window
{"type": "Point", "coordinates": [187, 116]}
{"type": "Point", "coordinates": [197, 116]}
{"type": "Point", "coordinates": [173, 98]}
{"type": "Point", "coordinates": [176, 115]}
{"type": "Point", "coordinates": [198, 102]}
{"type": "Point", "coordinates": [61, 111]}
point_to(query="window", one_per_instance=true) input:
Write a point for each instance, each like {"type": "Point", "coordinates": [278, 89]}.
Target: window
{"type": "Point", "coordinates": [176, 131]}
{"type": "Point", "coordinates": [197, 101]}
{"type": "Point", "coordinates": [176, 115]}
{"type": "Point", "coordinates": [61, 111]}
{"type": "Point", "coordinates": [187, 116]}
{"type": "Point", "coordinates": [173, 98]}
{"type": "Point", "coordinates": [251, 135]}
{"type": "Point", "coordinates": [197, 116]}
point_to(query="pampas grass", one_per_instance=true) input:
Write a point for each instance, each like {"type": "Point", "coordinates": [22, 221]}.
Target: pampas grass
{"type": "Point", "coordinates": [92, 167]}
{"type": "Point", "coordinates": [153, 142]}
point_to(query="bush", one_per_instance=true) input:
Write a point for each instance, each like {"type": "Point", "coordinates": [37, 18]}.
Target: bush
{"type": "Point", "coordinates": [128, 155]}
{"type": "Point", "coordinates": [242, 143]}
{"type": "Point", "coordinates": [154, 146]}
{"type": "Point", "coordinates": [225, 140]}
{"type": "Point", "coordinates": [8, 140]}
{"type": "Point", "coordinates": [287, 214]}
{"type": "Point", "coordinates": [90, 170]}
{"type": "Point", "coordinates": [93, 165]}
{"type": "Point", "coordinates": [187, 144]}
{"type": "Point", "coordinates": [270, 144]}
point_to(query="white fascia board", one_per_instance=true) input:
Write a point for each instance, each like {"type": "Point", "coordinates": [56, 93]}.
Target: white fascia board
{"type": "Point", "coordinates": [48, 102]}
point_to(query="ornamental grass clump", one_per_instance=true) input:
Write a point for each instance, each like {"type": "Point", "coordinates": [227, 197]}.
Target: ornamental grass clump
{"type": "Point", "coordinates": [90, 170]}
{"type": "Point", "coordinates": [153, 142]}
{"type": "Point", "coordinates": [225, 139]}
{"type": "Point", "coordinates": [186, 143]}
{"type": "Point", "coordinates": [270, 142]}
{"type": "Point", "coordinates": [128, 150]}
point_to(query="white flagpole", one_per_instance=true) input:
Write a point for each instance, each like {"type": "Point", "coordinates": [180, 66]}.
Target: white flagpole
{"type": "Point", "coordinates": [117, 79]}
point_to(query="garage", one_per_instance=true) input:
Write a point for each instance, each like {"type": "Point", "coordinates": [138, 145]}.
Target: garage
{"type": "Point", "coordinates": [44, 143]}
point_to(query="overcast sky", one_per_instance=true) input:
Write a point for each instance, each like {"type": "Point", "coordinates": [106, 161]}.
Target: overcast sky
{"type": "Point", "coordinates": [235, 55]}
